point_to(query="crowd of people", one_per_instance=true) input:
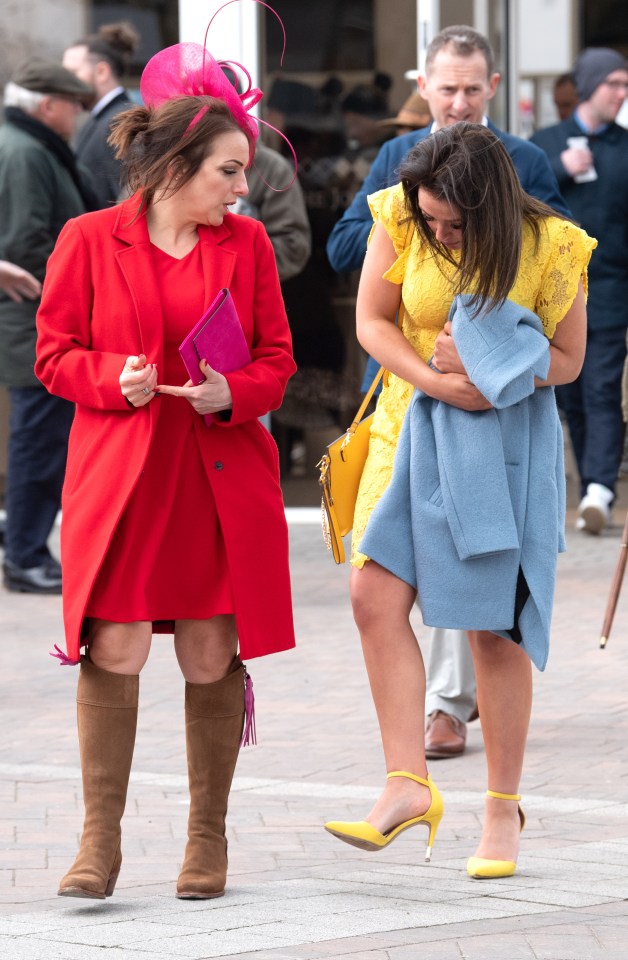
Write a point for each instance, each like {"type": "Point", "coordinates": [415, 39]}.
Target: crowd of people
{"type": "Point", "coordinates": [477, 251]}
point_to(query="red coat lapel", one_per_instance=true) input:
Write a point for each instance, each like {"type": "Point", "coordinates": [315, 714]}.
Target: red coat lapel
{"type": "Point", "coordinates": [218, 260]}
{"type": "Point", "coordinates": [136, 263]}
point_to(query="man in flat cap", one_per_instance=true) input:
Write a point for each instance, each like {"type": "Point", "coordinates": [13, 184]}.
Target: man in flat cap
{"type": "Point", "coordinates": [41, 187]}
{"type": "Point", "coordinates": [588, 155]}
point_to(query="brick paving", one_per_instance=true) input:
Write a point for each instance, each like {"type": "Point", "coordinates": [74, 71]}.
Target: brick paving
{"type": "Point", "coordinates": [294, 892]}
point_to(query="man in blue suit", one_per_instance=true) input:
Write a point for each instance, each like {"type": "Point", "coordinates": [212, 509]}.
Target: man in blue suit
{"type": "Point", "coordinates": [458, 83]}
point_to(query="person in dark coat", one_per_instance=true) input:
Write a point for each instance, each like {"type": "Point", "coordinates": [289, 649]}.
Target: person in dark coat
{"type": "Point", "coordinates": [19, 285]}
{"type": "Point", "coordinates": [588, 156]}
{"type": "Point", "coordinates": [564, 96]}
{"type": "Point", "coordinates": [41, 187]}
{"type": "Point", "coordinates": [101, 60]}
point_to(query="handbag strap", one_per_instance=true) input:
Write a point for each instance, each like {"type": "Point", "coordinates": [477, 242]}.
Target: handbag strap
{"type": "Point", "coordinates": [367, 399]}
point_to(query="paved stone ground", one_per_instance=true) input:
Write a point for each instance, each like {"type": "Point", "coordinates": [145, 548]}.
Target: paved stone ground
{"type": "Point", "coordinates": [294, 892]}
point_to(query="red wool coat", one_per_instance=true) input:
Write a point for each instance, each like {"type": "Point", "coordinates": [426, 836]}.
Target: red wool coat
{"type": "Point", "coordinates": [99, 306]}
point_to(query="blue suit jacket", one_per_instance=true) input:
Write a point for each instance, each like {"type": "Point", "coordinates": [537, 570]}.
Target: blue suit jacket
{"type": "Point", "coordinates": [346, 245]}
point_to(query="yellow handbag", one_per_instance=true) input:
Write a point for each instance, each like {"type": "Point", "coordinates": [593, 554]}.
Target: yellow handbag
{"type": "Point", "coordinates": [341, 468]}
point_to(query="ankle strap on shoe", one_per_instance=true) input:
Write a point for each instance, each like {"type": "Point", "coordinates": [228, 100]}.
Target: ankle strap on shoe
{"type": "Point", "coordinates": [503, 796]}
{"type": "Point", "coordinates": [410, 776]}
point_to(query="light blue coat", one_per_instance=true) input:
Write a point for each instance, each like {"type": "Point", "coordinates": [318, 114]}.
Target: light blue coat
{"type": "Point", "coordinates": [474, 514]}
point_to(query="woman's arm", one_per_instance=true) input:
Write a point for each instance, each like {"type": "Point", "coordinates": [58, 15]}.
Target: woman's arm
{"type": "Point", "coordinates": [66, 363]}
{"type": "Point", "coordinates": [376, 311]}
{"type": "Point", "coordinates": [567, 346]}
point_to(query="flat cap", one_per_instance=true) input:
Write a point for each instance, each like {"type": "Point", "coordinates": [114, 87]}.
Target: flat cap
{"type": "Point", "coordinates": [44, 75]}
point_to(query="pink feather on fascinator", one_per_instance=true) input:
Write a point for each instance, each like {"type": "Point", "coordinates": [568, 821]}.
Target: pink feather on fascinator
{"type": "Point", "coordinates": [189, 69]}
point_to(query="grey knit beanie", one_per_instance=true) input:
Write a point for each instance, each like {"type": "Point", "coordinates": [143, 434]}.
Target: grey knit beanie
{"type": "Point", "coordinates": [593, 66]}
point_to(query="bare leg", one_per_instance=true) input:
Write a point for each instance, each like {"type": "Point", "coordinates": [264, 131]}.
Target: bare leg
{"type": "Point", "coordinates": [119, 647]}
{"type": "Point", "coordinates": [205, 648]}
{"type": "Point", "coordinates": [381, 608]}
{"type": "Point", "coordinates": [504, 680]}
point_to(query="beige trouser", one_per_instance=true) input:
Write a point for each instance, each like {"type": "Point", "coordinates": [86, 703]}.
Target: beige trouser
{"type": "Point", "coordinates": [450, 674]}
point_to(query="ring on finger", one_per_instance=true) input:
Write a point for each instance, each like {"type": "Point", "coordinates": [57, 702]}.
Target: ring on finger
{"type": "Point", "coordinates": [145, 391]}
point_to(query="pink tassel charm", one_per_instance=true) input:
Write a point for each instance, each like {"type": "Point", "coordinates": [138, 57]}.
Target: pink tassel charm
{"type": "Point", "coordinates": [64, 660]}
{"type": "Point", "coordinates": [249, 734]}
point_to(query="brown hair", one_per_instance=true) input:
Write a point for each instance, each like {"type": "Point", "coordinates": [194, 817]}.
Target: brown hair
{"type": "Point", "coordinates": [115, 43]}
{"type": "Point", "coordinates": [159, 149]}
{"type": "Point", "coordinates": [464, 42]}
{"type": "Point", "coordinates": [468, 167]}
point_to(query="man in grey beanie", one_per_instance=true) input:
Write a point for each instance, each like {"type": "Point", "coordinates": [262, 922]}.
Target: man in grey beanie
{"type": "Point", "coordinates": [588, 154]}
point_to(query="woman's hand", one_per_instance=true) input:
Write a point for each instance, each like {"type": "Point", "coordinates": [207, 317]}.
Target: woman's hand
{"type": "Point", "coordinates": [138, 381]}
{"type": "Point", "coordinates": [211, 396]}
{"type": "Point", "coordinates": [446, 356]}
{"type": "Point", "coordinates": [457, 390]}
{"type": "Point", "coordinates": [452, 384]}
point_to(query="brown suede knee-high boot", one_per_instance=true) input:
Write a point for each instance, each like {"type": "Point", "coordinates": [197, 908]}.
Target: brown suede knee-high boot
{"type": "Point", "coordinates": [214, 715]}
{"type": "Point", "coordinates": [107, 719]}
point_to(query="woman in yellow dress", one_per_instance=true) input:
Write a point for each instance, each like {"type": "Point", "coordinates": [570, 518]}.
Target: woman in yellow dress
{"type": "Point", "coordinates": [458, 223]}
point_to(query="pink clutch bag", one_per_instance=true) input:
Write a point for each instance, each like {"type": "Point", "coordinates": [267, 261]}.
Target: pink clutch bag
{"type": "Point", "coordinates": [217, 338]}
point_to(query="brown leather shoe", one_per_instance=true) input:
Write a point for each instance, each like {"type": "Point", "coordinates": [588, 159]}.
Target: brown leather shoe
{"type": "Point", "coordinates": [445, 736]}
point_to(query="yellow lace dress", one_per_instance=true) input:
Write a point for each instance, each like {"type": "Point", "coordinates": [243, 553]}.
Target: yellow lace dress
{"type": "Point", "coordinates": [547, 283]}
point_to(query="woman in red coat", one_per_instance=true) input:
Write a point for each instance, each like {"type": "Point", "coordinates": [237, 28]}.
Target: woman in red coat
{"type": "Point", "coordinates": [169, 525]}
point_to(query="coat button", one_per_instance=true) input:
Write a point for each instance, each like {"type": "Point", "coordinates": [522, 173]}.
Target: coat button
{"type": "Point", "coordinates": [218, 465]}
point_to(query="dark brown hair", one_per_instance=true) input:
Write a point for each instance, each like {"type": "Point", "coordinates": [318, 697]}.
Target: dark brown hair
{"type": "Point", "coordinates": [158, 148]}
{"type": "Point", "coordinates": [469, 168]}
{"type": "Point", "coordinates": [115, 43]}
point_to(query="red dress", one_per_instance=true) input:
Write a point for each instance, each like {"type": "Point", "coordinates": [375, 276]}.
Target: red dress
{"type": "Point", "coordinates": [167, 558]}
{"type": "Point", "coordinates": [100, 305]}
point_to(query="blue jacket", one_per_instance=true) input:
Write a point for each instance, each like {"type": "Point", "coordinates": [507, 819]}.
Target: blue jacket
{"type": "Point", "coordinates": [346, 244]}
{"type": "Point", "coordinates": [474, 514]}
{"type": "Point", "coordinates": [601, 208]}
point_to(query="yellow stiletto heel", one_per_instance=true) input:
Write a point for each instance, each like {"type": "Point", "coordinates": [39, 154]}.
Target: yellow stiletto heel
{"type": "Point", "coordinates": [480, 869]}
{"type": "Point", "coordinates": [363, 834]}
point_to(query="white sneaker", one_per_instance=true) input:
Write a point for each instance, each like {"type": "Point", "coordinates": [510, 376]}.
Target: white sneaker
{"type": "Point", "coordinates": [594, 511]}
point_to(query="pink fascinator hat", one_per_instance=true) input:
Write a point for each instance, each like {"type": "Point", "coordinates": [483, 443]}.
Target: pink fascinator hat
{"type": "Point", "coordinates": [189, 69]}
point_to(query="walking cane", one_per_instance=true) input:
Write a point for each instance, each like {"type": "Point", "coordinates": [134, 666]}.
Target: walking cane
{"type": "Point", "coordinates": [615, 587]}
